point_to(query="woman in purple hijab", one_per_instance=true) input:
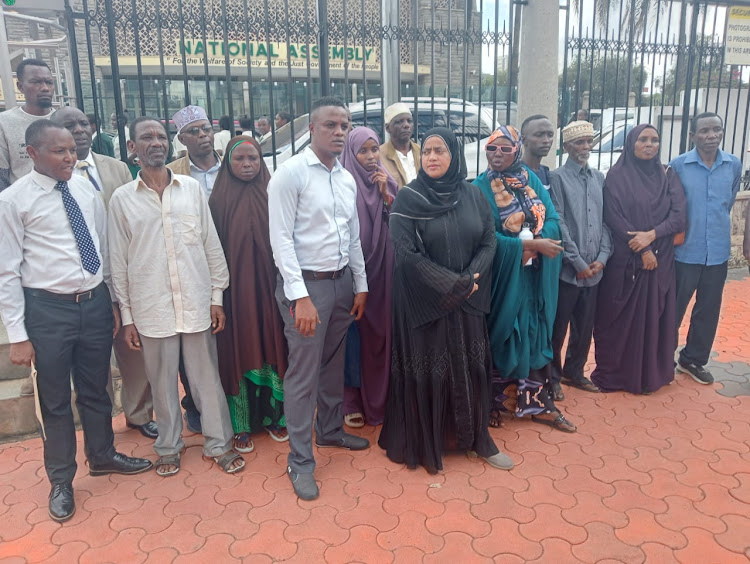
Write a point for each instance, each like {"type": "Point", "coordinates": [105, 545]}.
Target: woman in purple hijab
{"type": "Point", "coordinates": [376, 190]}
{"type": "Point", "coordinates": [644, 207]}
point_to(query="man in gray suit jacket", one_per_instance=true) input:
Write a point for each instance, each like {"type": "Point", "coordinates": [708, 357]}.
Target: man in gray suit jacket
{"type": "Point", "coordinates": [107, 175]}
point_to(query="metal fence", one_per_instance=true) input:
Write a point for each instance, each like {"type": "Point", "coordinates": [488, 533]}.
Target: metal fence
{"type": "Point", "coordinates": [454, 61]}
{"type": "Point", "coordinates": [253, 58]}
{"type": "Point", "coordinates": [655, 61]}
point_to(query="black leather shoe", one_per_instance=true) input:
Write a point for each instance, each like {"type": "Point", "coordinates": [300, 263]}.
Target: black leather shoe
{"type": "Point", "coordinates": [121, 464]}
{"type": "Point", "coordinates": [149, 430]}
{"type": "Point", "coordinates": [62, 506]}
{"type": "Point", "coordinates": [346, 441]}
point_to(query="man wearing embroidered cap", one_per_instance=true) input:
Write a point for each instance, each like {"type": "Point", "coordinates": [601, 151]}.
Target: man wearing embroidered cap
{"type": "Point", "coordinates": [196, 133]}
{"type": "Point", "coordinates": [400, 155]}
{"type": "Point", "coordinates": [576, 191]}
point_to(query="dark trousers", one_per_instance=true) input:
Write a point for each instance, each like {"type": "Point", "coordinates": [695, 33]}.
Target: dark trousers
{"type": "Point", "coordinates": [576, 307]}
{"type": "Point", "coordinates": [707, 283]}
{"type": "Point", "coordinates": [73, 338]}
{"type": "Point", "coordinates": [187, 401]}
{"type": "Point", "coordinates": [315, 377]}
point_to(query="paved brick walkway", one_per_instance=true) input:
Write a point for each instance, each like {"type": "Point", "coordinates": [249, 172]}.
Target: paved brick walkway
{"type": "Point", "coordinates": [660, 478]}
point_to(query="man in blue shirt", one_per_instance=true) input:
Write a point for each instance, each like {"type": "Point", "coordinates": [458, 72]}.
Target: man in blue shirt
{"type": "Point", "coordinates": [711, 178]}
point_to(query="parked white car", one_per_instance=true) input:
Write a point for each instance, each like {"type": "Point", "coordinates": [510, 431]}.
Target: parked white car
{"type": "Point", "coordinates": [471, 124]}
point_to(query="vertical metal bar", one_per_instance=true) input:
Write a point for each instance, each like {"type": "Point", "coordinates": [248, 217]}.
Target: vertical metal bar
{"type": "Point", "coordinates": [415, 133]}
{"type": "Point", "coordinates": [653, 66]}
{"type": "Point", "coordinates": [73, 48]}
{"type": "Point", "coordinates": [290, 80]}
{"type": "Point", "coordinates": [139, 65]}
{"type": "Point", "coordinates": [465, 41]}
{"type": "Point", "coordinates": [227, 66]}
{"type": "Point", "coordinates": [185, 80]}
{"type": "Point", "coordinates": [593, 40]}
{"type": "Point", "coordinates": [160, 44]}
{"type": "Point", "coordinates": [565, 77]}
{"type": "Point", "coordinates": [736, 109]}
{"type": "Point", "coordinates": [602, 105]}
{"type": "Point", "coordinates": [346, 52]}
{"type": "Point", "coordinates": [115, 67]}
{"type": "Point", "coordinates": [309, 48]}
{"type": "Point", "coordinates": [432, 65]}
{"type": "Point", "coordinates": [270, 77]}
{"type": "Point", "coordinates": [711, 57]}
{"type": "Point", "coordinates": [479, 86]}
{"type": "Point", "coordinates": [642, 80]}
{"type": "Point", "coordinates": [511, 52]}
{"type": "Point", "coordinates": [578, 67]}
{"type": "Point", "coordinates": [248, 60]}
{"type": "Point", "coordinates": [700, 58]}
{"type": "Point", "coordinates": [325, 71]}
{"type": "Point", "coordinates": [450, 40]}
{"type": "Point", "coordinates": [95, 87]}
{"type": "Point", "coordinates": [206, 75]}
{"type": "Point", "coordinates": [744, 129]}
{"type": "Point", "coordinates": [631, 46]}
{"type": "Point", "coordinates": [683, 15]}
{"type": "Point", "coordinates": [689, 80]}
{"type": "Point", "coordinates": [364, 67]}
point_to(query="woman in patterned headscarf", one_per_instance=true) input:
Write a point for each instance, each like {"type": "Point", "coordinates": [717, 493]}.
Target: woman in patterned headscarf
{"type": "Point", "coordinates": [524, 284]}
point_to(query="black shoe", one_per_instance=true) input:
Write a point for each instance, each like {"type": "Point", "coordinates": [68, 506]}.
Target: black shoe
{"type": "Point", "coordinates": [347, 441]}
{"type": "Point", "coordinates": [557, 392]}
{"type": "Point", "coordinates": [121, 464]}
{"type": "Point", "coordinates": [193, 421]}
{"type": "Point", "coordinates": [62, 505]}
{"type": "Point", "coordinates": [697, 373]}
{"type": "Point", "coordinates": [148, 430]}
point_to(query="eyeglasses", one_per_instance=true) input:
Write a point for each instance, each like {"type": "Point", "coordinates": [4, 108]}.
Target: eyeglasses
{"type": "Point", "coordinates": [501, 148]}
{"type": "Point", "coordinates": [196, 130]}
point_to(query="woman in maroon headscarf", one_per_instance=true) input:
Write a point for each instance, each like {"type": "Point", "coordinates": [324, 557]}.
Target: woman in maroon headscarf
{"type": "Point", "coordinates": [252, 348]}
{"type": "Point", "coordinates": [376, 190]}
{"type": "Point", "coordinates": [644, 207]}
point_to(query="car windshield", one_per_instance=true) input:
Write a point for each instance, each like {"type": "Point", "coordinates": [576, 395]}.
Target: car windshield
{"type": "Point", "coordinates": [284, 136]}
{"type": "Point", "coordinates": [611, 143]}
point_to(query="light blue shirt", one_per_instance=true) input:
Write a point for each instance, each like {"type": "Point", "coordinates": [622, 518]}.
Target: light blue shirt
{"type": "Point", "coordinates": [710, 194]}
{"type": "Point", "coordinates": [206, 178]}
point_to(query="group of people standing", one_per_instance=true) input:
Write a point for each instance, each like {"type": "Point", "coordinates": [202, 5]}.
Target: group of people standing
{"type": "Point", "coordinates": [361, 283]}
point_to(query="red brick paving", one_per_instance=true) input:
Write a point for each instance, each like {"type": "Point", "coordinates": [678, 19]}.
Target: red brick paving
{"type": "Point", "coordinates": [660, 478]}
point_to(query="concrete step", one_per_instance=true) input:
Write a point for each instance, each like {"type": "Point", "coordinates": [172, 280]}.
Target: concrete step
{"type": "Point", "coordinates": [8, 370]}
{"type": "Point", "coordinates": [17, 415]}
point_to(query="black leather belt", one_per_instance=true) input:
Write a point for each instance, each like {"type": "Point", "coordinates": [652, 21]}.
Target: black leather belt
{"type": "Point", "coordinates": [77, 298]}
{"type": "Point", "coordinates": [312, 275]}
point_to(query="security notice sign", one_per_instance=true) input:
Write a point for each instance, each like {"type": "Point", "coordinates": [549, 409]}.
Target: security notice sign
{"type": "Point", "coordinates": [737, 46]}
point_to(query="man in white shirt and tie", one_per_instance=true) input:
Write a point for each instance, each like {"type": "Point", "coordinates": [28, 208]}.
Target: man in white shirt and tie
{"type": "Point", "coordinates": [57, 308]}
{"type": "Point", "coordinates": [169, 274]}
{"type": "Point", "coordinates": [107, 174]}
{"type": "Point", "coordinates": [321, 288]}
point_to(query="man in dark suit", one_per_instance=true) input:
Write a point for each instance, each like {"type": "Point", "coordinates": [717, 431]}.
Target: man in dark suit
{"type": "Point", "coordinates": [107, 174]}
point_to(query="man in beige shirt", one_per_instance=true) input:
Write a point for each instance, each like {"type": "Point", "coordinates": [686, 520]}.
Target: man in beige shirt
{"type": "Point", "coordinates": [400, 155]}
{"type": "Point", "coordinates": [169, 274]}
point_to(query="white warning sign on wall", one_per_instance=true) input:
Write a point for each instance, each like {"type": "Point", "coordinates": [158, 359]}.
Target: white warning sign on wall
{"type": "Point", "coordinates": [737, 46]}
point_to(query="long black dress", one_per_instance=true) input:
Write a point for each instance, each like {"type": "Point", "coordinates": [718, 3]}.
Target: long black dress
{"type": "Point", "coordinates": [440, 370]}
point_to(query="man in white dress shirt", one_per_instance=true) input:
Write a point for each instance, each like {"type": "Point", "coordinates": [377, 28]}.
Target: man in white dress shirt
{"type": "Point", "coordinates": [57, 308]}
{"type": "Point", "coordinates": [107, 174]}
{"type": "Point", "coordinates": [169, 274]}
{"type": "Point", "coordinates": [321, 288]}
{"type": "Point", "coordinates": [400, 155]}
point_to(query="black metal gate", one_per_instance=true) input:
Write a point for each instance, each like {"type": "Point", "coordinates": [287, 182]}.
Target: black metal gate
{"type": "Point", "coordinates": [656, 61]}
{"type": "Point", "coordinates": [253, 58]}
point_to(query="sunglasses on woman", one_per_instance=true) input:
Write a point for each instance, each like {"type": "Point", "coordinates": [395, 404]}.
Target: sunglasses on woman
{"type": "Point", "coordinates": [501, 148]}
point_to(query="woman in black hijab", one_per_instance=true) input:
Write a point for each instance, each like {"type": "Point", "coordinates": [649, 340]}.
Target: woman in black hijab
{"type": "Point", "coordinates": [444, 240]}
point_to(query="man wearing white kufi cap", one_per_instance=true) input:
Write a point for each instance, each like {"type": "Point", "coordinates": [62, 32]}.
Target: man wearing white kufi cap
{"type": "Point", "coordinates": [400, 155]}
{"type": "Point", "coordinates": [195, 132]}
{"type": "Point", "coordinates": [576, 191]}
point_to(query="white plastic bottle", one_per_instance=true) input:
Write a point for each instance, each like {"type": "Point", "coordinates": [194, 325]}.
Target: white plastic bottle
{"type": "Point", "coordinates": [526, 235]}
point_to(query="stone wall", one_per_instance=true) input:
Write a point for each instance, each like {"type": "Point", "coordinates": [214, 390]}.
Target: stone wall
{"type": "Point", "coordinates": [739, 212]}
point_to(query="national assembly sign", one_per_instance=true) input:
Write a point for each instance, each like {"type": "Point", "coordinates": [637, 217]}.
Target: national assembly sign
{"type": "Point", "coordinates": [737, 44]}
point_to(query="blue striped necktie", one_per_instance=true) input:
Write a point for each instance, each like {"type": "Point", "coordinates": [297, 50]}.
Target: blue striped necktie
{"type": "Point", "coordinates": [85, 166]}
{"type": "Point", "coordinates": [89, 256]}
